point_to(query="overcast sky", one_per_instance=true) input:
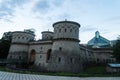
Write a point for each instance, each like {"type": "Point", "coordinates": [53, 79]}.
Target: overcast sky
{"type": "Point", "coordinates": [92, 15]}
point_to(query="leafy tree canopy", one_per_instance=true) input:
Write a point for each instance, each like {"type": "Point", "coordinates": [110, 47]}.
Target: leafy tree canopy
{"type": "Point", "coordinates": [116, 50]}
{"type": "Point", "coordinates": [5, 42]}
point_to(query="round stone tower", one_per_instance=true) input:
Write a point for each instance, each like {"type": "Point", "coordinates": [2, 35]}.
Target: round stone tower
{"type": "Point", "coordinates": [47, 35]}
{"type": "Point", "coordinates": [65, 55]}
{"type": "Point", "coordinates": [66, 29]}
{"type": "Point", "coordinates": [19, 47]}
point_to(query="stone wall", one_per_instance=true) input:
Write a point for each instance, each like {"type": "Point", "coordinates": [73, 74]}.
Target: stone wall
{"type": "Point", "coordinates": [41, 51]}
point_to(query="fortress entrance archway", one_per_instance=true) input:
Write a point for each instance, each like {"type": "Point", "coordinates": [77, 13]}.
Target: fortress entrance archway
{"type": "Point", "coordinates": [32, 56]}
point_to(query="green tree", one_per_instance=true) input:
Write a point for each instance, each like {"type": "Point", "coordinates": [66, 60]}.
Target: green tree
{"type": "Point", "coordinates": [116, 50]}
{"type": "Point", "coordinates": [5, 42]}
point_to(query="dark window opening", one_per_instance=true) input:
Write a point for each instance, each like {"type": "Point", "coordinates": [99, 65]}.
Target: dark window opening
{"type": "Point", "coordinates": [70, 30]}
{"type": "Point", "coordinates": [10, 57]}
{"type": "Point", "coordinates": [98, 60]}
{"type": "Point", "coordinates": [48, 55]}
{"type": "Point", "coordinates": [40, 56]}
{"type": "Point", "coordinates": [39, 64]}
{"type": "Point", "coordinates": [71, 60]}
{"type": "Point", "coordinates": [55, 30]}
{"type": "Point", "coordinates": [60, 48]}
{"type": "Point", "coordinates": [76, 31]}
{"type": "Point", "coordinates": [19, 57]}
{"type": "Point", "coordinates": [59, 30]}
{"type": "Point", "coordinates": [65, 30]}
{"type": "Point", "coordinates": [104, 60]}
{"type": "Point", "coordinates": [41, 48]}
{"type": "Point", "coordinates": [59, 59]}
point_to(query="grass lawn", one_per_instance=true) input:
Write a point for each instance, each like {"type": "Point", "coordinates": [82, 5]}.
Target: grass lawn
{"type": "Point", "coordinates": [2, 68]}
{"type": "Point", "coordinates": [96, 71]}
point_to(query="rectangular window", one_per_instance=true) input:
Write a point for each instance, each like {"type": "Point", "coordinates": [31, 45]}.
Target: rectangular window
{"type": "Point", "coordinates": [59, 59]}
{"type": "Point", "coordinates": [19, 57]}
{"type": "Point", "coordinates": [40, 56]}
{"type": "Point", "coordinates": [71, 60]}
{"type": "Point", "coordinates": [41, 48]}
{"type": "Point", "coordinates": [60, 48]}
{"type": "Point", "coordinates": [10, 57]}
{"type": "Point", "coordinates": [65, 30]}
{"type": "Point", "coordinates": [59, 30]}
{"type": "Point", "coordinates": [70, 30]}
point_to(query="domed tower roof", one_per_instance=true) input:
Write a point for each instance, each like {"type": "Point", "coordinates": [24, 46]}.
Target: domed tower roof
{"type": "Point", "coordinates": [66, 22]}
{"type": "Point", "coordinates": [98, 41]}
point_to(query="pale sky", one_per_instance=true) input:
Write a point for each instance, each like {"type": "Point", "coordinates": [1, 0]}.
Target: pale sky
{"type": "Point", "coordinates": [92, 15]}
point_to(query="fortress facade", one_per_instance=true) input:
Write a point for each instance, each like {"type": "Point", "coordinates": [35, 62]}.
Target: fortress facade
{"type": "Point", "coordinates": [57, 51]}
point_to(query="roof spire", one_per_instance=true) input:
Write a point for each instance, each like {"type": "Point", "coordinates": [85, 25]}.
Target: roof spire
{"type": "Point", "coordinates": [97, 34]}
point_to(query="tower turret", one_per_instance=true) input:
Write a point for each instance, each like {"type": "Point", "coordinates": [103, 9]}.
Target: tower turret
{"type": "Point", "coordinates": [19, 47]}
{"type": "Point", "coordinates": [65, 55]}
{"type": "Point", "coordinates": [22, 37]}
{"type": "Point", "coordinates": [66, 29]}
{"type": "Point", "coordinates": [47, 35]}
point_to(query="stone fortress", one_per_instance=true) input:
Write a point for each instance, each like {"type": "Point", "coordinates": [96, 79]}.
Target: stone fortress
{"type": "Point", "coordinates": [58, 51]}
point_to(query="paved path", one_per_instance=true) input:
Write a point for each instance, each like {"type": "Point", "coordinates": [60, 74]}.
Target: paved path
{"type": "Point", "coordinates": [16, 76]}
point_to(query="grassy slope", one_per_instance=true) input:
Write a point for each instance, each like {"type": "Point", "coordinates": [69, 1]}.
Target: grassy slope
{"type": "Point", "coordinates": [96, 71]}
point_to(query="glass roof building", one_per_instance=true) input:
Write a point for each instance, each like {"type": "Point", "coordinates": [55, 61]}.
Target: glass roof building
{"type": "Point", "coordinates": [98, 41]}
